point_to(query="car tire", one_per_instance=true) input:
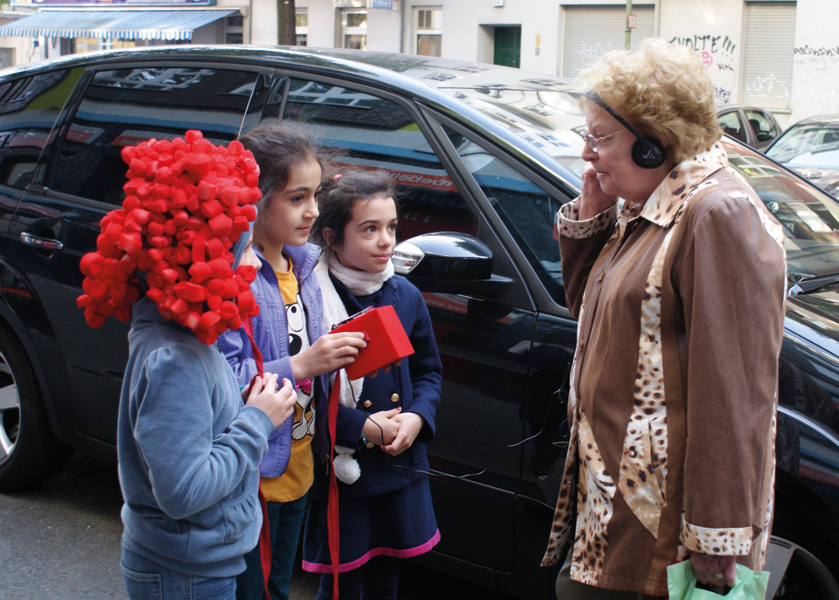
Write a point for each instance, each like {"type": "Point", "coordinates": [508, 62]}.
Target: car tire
{"type": "Point", "coordinates": [29, 451]}
{"type": "Point", "coordinates": [797, 574]}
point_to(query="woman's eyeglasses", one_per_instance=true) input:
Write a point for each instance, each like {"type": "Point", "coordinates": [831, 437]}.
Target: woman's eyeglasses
{"type": "Point", "coordinates": [593, 141]}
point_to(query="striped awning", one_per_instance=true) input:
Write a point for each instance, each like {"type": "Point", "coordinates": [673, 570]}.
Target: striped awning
{"type": "Point", "coordinates": [123, 24]}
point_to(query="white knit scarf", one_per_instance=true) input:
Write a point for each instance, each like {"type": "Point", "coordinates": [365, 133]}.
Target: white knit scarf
{"type": "Point", "coordinates": [359, 283]}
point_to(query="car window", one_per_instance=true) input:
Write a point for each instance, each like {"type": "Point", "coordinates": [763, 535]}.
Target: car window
{"type": "Point", "coordinates": [368, 132]}
{"type": "Point", "coordinates": [795, 141]}
{"type": "Point", "coordinates": [28, 110]}
{"type": "Point", "coordinates": [810, 218]}
{"type": "Point", "coordinates": [123, 107]}
{"type": "Point", "coordinates": [829, 141]}
{"type": "Point", "coordinates": [764, 127]}
{"type": "Point", "coordinates": [528, 211]}
{"type": "Point", "coordinates": [732, 126]}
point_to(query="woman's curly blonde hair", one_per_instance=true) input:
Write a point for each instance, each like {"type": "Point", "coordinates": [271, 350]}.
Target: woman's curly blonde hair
{"type": "Point", "coordinates": [664, 91]}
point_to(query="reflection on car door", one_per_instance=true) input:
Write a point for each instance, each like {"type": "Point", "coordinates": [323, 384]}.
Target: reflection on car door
{"type": "Point", "coordinates": [80, 178]}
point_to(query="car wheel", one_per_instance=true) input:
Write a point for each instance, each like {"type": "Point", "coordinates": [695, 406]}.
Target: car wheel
{"type": "Point", "coordinates": [796, 574]}
{"type": "Point", "coordinates": [29, 452]}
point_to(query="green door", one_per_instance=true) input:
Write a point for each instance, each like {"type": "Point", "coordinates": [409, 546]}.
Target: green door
{"type": "Point", "coordinates": [507, 46]}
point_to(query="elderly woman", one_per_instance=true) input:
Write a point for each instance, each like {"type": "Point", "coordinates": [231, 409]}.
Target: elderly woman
{"type": "Point", "coordinates": [676, 272]}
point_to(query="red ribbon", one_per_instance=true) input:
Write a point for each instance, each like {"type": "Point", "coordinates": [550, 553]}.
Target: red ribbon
{"type": "Point", "coordinates": [265, 532]}
{"type": "Point", "coordinates": [332, 521]}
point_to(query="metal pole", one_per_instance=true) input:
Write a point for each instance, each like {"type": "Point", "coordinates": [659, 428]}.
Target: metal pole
{"type": "Point", "coordinates": [628, 39]}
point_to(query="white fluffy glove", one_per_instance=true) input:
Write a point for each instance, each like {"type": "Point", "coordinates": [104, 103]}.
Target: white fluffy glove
{"type": "Point", "coordinates": [346, 467]}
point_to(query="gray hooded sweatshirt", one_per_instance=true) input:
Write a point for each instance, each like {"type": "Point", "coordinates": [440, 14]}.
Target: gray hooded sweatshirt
{"type": "Point", "coordinates": [189, 452]}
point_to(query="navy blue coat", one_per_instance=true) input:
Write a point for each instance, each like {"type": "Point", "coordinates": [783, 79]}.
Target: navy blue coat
{"type": "Point", "coordinates": [414, 386]}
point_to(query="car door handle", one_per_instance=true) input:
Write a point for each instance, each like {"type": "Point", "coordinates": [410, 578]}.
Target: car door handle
{"type": "Point", "coordinates": [39, 242]}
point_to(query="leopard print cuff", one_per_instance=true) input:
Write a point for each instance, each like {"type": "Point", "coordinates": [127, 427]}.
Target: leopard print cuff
{"type": "Point", "coordinates": [569, 225]}
{"type": "Point", "coordinates": [735, 541]}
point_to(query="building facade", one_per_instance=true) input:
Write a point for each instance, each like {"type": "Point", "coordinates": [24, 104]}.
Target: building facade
{"type": "Point", "coordinates": [777, 54]}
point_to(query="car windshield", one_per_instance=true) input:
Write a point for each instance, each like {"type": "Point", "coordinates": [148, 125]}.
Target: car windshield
{"type": "Point", "coordinates": [806, 139]}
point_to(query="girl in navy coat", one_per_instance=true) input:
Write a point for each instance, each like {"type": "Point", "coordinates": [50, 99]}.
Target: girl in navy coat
{"type": "Point", "coordinates": [386, 511]}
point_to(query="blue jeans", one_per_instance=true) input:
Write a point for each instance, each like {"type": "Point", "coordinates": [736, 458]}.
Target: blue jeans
{"type": "Point", "coordinates": [146, 580]}
{"type": "Point", "coordinates": [285, 520]}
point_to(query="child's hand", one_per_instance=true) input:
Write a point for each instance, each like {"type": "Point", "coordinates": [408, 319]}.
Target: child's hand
{"type": "Point", "coordinates": [381, 428]}
{"type": "Point", "coordinates": [330, 352]}
{"type": "Point", "coordinates": [277, 403]}
{"type": "Point", "coordinates": [409, 426]}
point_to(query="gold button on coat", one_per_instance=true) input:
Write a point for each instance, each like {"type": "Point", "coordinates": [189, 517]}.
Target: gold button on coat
{"type": "Point", "coordinates": [366, 404]}
{"type": "Point", "coordinates": [370, 444]}
{"type": "Point", "coordinates": [394, 398]}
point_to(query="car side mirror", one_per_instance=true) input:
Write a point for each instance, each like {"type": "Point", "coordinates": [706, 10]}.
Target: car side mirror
{"type": "Point", "coordinates": [448, 262]}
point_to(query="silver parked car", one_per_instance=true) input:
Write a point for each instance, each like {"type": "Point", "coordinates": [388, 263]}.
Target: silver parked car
{"type": "Point", "coordinates": [811, 149]}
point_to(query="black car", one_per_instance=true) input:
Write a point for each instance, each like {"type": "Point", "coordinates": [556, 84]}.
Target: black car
{"type": "Point", "coordinates": [485, 154]}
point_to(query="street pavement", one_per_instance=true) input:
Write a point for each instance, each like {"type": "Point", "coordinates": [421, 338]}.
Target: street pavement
{"type": "Point", "coordinates": [61, 540]}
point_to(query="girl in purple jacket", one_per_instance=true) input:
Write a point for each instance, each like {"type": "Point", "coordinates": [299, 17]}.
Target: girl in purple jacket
{"type": "Point", "coordinates": [288, 335]}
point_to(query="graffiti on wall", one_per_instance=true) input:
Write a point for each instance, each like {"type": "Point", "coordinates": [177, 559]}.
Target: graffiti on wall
{"type": "Point", "coordinates": [717, 54]}
{"type": "Point", "coordinates": [821, 60]}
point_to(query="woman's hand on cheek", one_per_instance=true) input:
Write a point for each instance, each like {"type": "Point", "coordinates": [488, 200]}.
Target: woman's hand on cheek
{"type": "Point", "coordinates": [594, 200]}
{"type": "Point", "coordinates": [410, 424]}
{"type": "Point", "coordinates": [328, 353]}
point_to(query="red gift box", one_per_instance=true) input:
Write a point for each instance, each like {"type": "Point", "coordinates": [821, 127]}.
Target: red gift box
{"type": "Point", "coordinates": [387, 341]}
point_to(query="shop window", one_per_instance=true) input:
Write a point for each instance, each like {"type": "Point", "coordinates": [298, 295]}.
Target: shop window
{"type": "Point", "coordinates": [429, 27]}
{"type": "Point", "coordinates": [82, 45]}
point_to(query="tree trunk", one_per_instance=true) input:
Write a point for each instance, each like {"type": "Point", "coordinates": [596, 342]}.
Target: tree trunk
{"type": "Point", "coordinates": [286, 32]}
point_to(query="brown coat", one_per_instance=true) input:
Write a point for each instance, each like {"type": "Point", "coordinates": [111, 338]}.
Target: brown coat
{"type": "Point", "coordinates": [673, 394]}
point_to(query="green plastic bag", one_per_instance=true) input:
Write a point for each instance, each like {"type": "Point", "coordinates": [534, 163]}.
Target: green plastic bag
{"type": "Point", "coordinates": [681, 584]}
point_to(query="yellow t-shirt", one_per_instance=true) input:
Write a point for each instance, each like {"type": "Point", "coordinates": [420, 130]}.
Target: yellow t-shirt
{"type": "Point", "coordinates": [298, 476]}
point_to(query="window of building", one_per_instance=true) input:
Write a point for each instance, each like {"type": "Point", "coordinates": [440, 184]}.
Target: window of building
{"type": "Point", "coordinates": [354, 28]}
{"type": "Point", "coordinates": [768, 54]}
{"type": "Point", "coordinates": [233, 29]}
{"type": "Point", "coordinates": [301, 26]}
{"type": "Point", "coordinates": [429, 27]}
{"type": "Point", "coordinates": [591, 31]}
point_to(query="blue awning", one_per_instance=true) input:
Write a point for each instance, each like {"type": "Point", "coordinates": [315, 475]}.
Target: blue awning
{"type": "Point", "coordinates": [122, 24]}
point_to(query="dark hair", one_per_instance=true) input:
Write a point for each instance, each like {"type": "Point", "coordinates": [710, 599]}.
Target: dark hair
{"type": "Point", "coordinates": [277, 148]}
{"type": "Point", "coordinates": [338, 197]}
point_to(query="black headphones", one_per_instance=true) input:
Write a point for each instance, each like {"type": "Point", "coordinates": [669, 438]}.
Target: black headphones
{"type": "Point", "coordinates": [647, 152]}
